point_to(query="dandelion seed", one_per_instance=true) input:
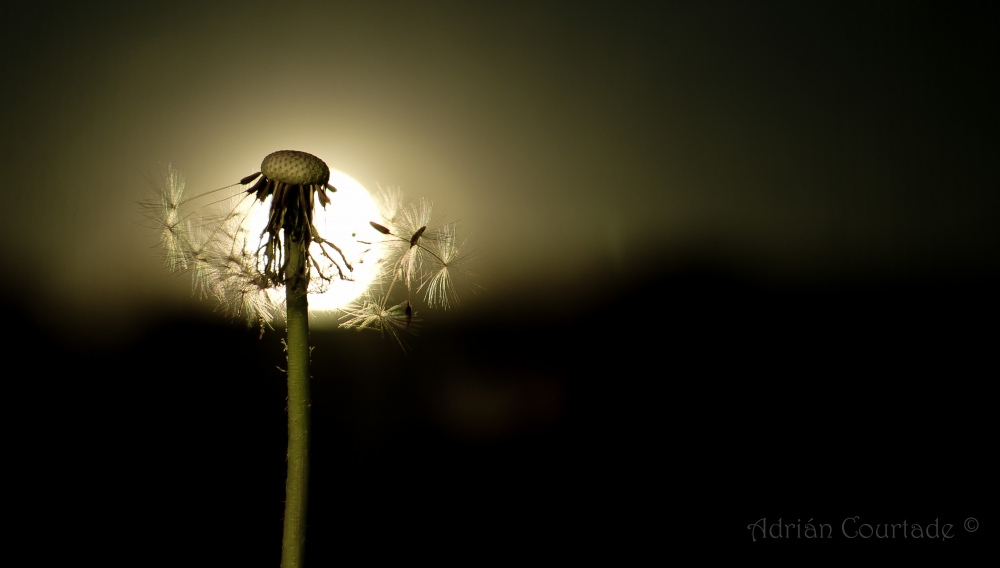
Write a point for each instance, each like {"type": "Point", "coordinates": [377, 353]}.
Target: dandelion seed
{"type": "Point", "coordinates": [415, 217]}
{"type": "Point", "coordinates": [416, 236]}
{"type": "Point", "coordinates": [389, 201]}
{"type": "Point", "coordinates": [429, 260]}
{"type": "Point", "coordinates": [370, 312]}
{"type": "Point", "coordinates": [440, 287]}
{"type": "Point", "coordinates": [165, 214]}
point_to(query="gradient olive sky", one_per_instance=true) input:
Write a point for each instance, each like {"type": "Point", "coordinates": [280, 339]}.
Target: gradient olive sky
{"type": "Point", "coordinates": [576, 143]}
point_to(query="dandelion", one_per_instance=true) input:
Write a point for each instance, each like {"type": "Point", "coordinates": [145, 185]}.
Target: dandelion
{"type": "Point", "coordinates": [269, 270]}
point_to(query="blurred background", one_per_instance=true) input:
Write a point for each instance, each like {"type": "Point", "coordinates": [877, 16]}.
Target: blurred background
{"type": "Point", "coordinates": [735, 260]}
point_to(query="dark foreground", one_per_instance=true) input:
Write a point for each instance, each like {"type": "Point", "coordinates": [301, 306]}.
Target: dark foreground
{"type": "Point", "coordinates": [635, 424]}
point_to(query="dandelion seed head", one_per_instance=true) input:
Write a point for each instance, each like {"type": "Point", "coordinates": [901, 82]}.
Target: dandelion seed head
{"type": "Point", "coordinates": [345, 256]}
{"type": "Point", "coordinates": [365, 258]}
{"type": "Point", "coordinates": [295, 168]}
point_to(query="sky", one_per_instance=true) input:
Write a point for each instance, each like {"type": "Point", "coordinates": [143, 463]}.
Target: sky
{"type": "Point", "coordinates": [758, 238]}
{"type": "Point", "coordinates": [578, 148]}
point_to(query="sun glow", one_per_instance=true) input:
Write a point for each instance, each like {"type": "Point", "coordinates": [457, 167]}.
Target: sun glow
{"type": "Point", "coordinates": [344, 222]}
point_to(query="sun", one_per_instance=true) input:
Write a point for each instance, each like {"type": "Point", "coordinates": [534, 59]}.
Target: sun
{"type": "Point", "coordinates": [344, 222]}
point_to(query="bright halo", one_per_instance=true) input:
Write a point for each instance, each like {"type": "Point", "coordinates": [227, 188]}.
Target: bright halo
{"type": "Point", "coordinates": [344, 222]}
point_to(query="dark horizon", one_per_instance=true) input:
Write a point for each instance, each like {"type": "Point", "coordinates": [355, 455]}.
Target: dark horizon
{"type": "Point", "coordinates": [733, 403]}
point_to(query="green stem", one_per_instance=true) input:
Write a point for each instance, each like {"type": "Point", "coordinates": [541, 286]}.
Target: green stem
{"type": "Point", "coordinates": [296, 483]}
